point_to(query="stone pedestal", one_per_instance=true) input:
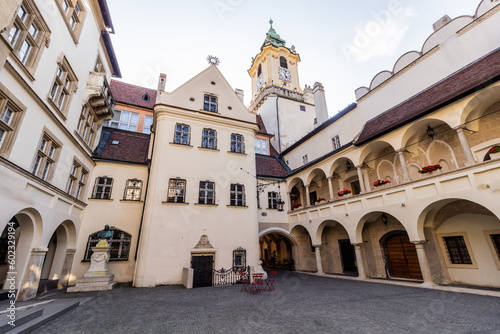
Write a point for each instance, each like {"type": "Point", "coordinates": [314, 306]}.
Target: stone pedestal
{"type": "Point", "coordinates": [97, 278]}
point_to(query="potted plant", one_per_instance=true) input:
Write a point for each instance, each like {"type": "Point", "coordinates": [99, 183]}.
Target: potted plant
{"type": "Point", "coordinates": [296, 205]}
{"type": "Point", "coordinates": [494, 152]}
{"type": "Point", "coordinates": [320, 200]}
{"type": "Point", "coordinates": [343, 192]}
{"type": "Point", "coordinates": [379, 182]}
{"type": "Point", "coordinates": [429, 169]}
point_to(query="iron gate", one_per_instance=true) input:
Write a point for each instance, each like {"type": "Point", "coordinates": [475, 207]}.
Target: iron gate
{"type": "Point", "coordinates": [234, 275]}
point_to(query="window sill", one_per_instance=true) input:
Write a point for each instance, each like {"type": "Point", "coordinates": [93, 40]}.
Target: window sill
{"type": "Point", "coordinates": [201, 204]}
{"type": "Point", "coordinates": [56, 108]}
{"type": "Point", "coordinates": [184, 145]}
{"type": "Point", "coordinates": [18, 62]}
{"type": "Point", "coordinates": [237, 153]}
{"type": "Point", "coordinates": [208, 112]}
{"type": "Point", "coordinates": [130, 201]}
{"type": "Point", "coordinates": [100, 199]}
{"type": "Point", "coordinates": [237, 206]}
{"type": "Point", "coordinates": [208, 149]}
{"type": "Point", "coordinates": [82, 141]}
{"type": "Point", "coordinates": [175, 203]}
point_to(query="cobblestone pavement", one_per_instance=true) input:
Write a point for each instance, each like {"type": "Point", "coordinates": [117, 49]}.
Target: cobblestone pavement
{"type": "Point", "coordinates": [301, 304]}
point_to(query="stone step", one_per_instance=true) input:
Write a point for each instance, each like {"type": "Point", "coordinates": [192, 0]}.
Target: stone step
{"type": "Point", "coordinates": [50, 310]}
{"type": "Point", "coordinates": [21, 317]}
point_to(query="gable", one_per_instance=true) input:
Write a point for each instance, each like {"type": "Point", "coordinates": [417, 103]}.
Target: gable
{"type": "Point", "coordinates": [209, 82]}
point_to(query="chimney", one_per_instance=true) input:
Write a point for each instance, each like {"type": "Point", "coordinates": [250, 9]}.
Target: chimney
{"type": "Point", "coordinates": [240, 94]}
{"type": "Point", "coordinates": [320, 103]}
{"type": "Point", "coordinates": [441, 23]}
{"type": "Point", "coordinates": [161, 82]}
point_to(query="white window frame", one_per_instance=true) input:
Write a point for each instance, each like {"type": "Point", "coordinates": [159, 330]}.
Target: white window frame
{"type": "Point", "coordinates": [209, 104]}
{"type": "Point", "coordinates": [209, 139]}
{"type": "Point", "coordinates": [336, 142]}
{"type": "Point", "coordinates": [206, 195]}
{"type": "Point", "coordinates": [182, 134]}
{"type": "Point", "coordinates": [102, 189]}
{"type": "Point", "coordinates": [272, 200]}
{"type": "Point", "coordinates": [259, 147]}
{"type": "Point", "coordinates": [133, 190]}
{"type": "Point", "coordinates": [237, 143]}
{"type": "Point", "coordinates": [237, 195]}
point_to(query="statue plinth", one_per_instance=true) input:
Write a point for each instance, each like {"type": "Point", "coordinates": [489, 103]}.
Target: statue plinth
{"type": "Point", "coordinates": [97, 278]}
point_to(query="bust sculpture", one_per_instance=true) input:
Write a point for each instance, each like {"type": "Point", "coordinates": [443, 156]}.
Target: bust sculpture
{"type": "Point", "coordinates": [106, 233]}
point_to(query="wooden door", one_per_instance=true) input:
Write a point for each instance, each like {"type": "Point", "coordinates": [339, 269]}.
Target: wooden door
{"type": "Point", "coordinates": [202, 266]}
{"type": "Point", "coordinates": [402, 256]}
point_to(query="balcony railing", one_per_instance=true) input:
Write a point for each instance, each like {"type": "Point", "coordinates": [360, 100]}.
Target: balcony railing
{"type": "Point", "coordinates": [99, 96]}
{"type": "Point", "coordinates": [478, 179]}
{"type": "Point", "coordinates": [265, 91]}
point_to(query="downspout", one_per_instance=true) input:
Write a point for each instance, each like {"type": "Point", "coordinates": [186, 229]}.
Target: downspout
{"type": "Point", "coordinates": [145, 197]}
{"type": "Point", "coordinates": [278, 121]}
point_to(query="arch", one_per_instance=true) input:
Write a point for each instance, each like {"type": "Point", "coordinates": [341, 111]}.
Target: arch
{"type": "Point", "coordinates": [321, 227]}
{"type": "Point", "coordinates": [337, 252]}
{"type": "Point", "coordinates": [439, 150]}
{"type": "Point", "coordinates": [283, 62]}
{"type": "Point", "coordinates": [405, 60]}
{"type": "Point", "coordinates": [445, 32]}
{"type": "Point", "coordinates": [419, 129]}
{"type": "Point", "coordinates": [484, 6]}
{"type": "Point", "coordinates": [372, 150]}
{"type": "Point", "coordinates": [380, 78]}
{"type": "Point", "coordinates": [376, 216]}
{"type": "Point", "coordinates": [305, 251]}
{"type": "Point", "coordinates": [294, 182]}
{"type": "Point", "coordinates": [316, 174]}
{"type": "Point", "coordinates": [288, 237]}
{"type": "Point", "coordinates": [386, 170]}
{"type": "Point", "coordinates": [340, 167]}
{"type": "Point", "coordinates": [478, 105]}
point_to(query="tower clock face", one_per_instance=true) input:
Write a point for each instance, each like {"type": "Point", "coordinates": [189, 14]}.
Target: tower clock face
{"type": "Point", "coordinates": [260, 81]}
{"type": "Point", "coordinates": [284, 74]}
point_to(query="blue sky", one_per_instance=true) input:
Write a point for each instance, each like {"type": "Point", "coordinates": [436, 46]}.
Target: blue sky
{"type": "Point", "coordinates": [341, 44]}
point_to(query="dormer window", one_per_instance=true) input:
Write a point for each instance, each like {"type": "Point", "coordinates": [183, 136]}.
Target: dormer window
{"type": "Point", "coordinates": [210, 103]}
{"type": "Point", "coordinates": [145, 97]}
{"type": "Point", "coordinates": [283, 62]}
{"type": "Point", "coordinates": [259, 70]}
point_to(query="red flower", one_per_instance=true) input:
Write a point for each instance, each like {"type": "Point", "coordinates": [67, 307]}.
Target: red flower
{"type": "Point", "coordinates": [296, 205]}
{"type": "Point", "coordinates": [344, 191]}
{"type": "Point", "coordinates": [494, 149]}
{"type": "Point", "coordinates": [429, 169]}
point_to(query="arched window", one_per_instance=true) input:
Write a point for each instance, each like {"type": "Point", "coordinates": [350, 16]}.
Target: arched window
{"type": "Point", "coordinates": [283, 62]}
{"type": "Point", "coordinates": [259, 70]}
{"type": "Point", "coordinates": [119, 243]}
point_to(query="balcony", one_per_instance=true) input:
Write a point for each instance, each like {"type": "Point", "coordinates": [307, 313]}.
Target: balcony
{"type": "Point", "coordinates": [478, 181]}
{"type": "Point", "coordinates": [98, 95]}
{"type": "Point", "coordinates": [265, 91]}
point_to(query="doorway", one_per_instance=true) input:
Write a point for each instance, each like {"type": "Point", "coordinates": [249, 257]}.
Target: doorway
{"type": "Point", "coordinates": [402, 258]}
{"type": "Point", "coordinates": [348, 257]}
{"type": "Point", "coordinates": [203, 266]}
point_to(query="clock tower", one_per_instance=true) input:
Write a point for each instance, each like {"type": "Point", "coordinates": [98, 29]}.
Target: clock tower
{"type": "Point", "coordinates": [288, 111]}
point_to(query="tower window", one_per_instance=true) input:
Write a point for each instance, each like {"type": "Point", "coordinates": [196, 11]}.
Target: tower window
{"type": "Point", "coordinates": [259, 70]}
{"type": "Point", "coordinates": [302, 108]}
{"type": "Point", "coordinates": [283, 62]}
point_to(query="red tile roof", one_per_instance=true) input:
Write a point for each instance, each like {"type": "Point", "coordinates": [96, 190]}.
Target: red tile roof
{"type": "Point", "coordinates": [260, 123]}
{"type": "Point", "coordinates": [473, 77]}
{"type": "Point", "coordinates": [128, 146]}
{"type": "Point", "coordinates": [133, 95]}
{"type": "Point", "coordinates": [270, 166]}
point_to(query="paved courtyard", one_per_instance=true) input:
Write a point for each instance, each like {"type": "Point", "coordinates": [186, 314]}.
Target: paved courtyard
{"type": "Point", "coordinates": [301, 304]}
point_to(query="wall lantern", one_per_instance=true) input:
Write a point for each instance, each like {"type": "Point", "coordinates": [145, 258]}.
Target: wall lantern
{"type": "Point", "coordinates": [384, 219]}
{"type": "Point", "coordinates": [430, 132]}
{"type": "Point", "coordinates": [348, 165]}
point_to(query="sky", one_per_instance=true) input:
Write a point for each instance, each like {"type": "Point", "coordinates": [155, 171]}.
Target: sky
{"type": "Point", "coordinates": [341, 44]}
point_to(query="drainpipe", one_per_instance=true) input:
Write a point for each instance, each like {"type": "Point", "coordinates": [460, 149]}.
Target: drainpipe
{"type": "Point", "coordinates": [278, 121]}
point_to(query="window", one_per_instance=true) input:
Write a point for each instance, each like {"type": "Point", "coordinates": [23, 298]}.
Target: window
{"type": "Point", "coordinates": [237, 195]}
{"type": "Point", "coordinates": [302, 108]}
{"type": "Point", "coordinates": [182, 134]}
{"type": "Point", "coordinates": [133, 190]}
{"type": "Point", "coordinates": [99, 67]}
{"type": "Point", "coordinates": [210, 103]}
{"type": "Point", "coordinates": [272, 200]}
{"type": "Point", "coordinates": [336, 142]}
{"type": "Point", "coordinates": [259, 70]}
{"type": "Point", "coordinates": [102, 188]}
{"type": "Point", "coordinates": [209, 139]}
{"type": "Point", "coordinates": [124, 120]}
{"type": "Point", "coordinates": [145, 97]}
{"type": "Point", "coordinates": [63, 86]}
{"type": "Point", "coordinates": [305, 159]}
{"type": "Point", "coordinates": [10, 115]}
{"type": "Point", "coordinates": [87, 127]}
{"type": "Point", "coordinates": [283, 62]}
{"type": "Point", "coordinates": [148, 122]}
{"type": "Point", "coordinates": [77, 180]}
{"type": "Point", "coordinates": [74, 14]}
{"type": "Point", "coordinates": [176, 191]}
{"type": "Point", "coordinates": [495, 238]}
{"type": "Point", "coordinates": [457, 250]}
{"type": "Point", "coordinates": [119, 243]}
{"type": "Point", "coordinates": [207, 192]}
{"type": "Point", "coordinates": [237, 143]}
{"type": "Point", "coordinates": [45, 158]}
{"type": "Point", "coordinates": [239, 257]}
{"type": "Point", "coordinates": [28, 35]}
{"type": "Point", "coordinates": [261, 146]}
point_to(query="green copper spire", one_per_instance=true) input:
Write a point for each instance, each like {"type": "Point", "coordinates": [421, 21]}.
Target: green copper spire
{"type": "Point", "coordinates": [273, 38]}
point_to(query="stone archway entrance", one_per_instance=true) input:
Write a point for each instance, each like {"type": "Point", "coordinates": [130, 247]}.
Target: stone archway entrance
{"type": "Point", "coordinates": [277, 250]}
{"type": "Point", "coordinates": [402, 257]}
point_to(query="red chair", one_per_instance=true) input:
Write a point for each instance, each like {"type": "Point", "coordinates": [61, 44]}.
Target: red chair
{"type": "Point", "coordinates": [244, 280]}
{"type": "Point", "coordinates": [257, 284]}
{"type": "Point", "coordinates": [270, 281]}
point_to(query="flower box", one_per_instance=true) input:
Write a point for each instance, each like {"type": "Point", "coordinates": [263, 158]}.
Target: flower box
{"type": "Point", "coordinates": [379, 182]}
{"type": "Point", "coordinates": [296, 206]}
{"type": "Point", "coordinates": [344, 192]}
{"type": "Point", "coordinates": [494, 152]}
{"type": "Point", "coordinates": [320, 200]}
{"type": "Point", "coordinates": [429, 169]}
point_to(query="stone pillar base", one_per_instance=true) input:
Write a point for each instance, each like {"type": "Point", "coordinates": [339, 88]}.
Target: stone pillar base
{"type": "Point", "coordinates": [93, 283]}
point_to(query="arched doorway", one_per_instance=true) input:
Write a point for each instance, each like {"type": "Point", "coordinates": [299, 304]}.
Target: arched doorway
{"type": "Point", "coordinates": [54, 260]}
{"type": "Point", "coordinates": [276, 251]}
{"type": "Point", "coordinates": [402, 259]}
{"type": "Point", "coordinates": [337, 255]}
